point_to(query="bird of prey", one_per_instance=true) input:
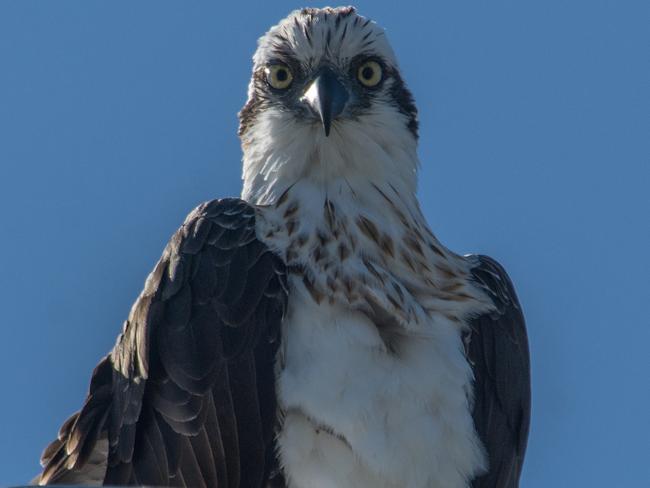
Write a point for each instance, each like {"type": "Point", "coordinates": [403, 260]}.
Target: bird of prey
{"type": "Point", "coordinates": [313, 333]}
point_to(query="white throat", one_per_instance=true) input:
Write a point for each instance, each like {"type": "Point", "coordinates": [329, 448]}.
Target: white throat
{"type": "Point", "coordinates": [279, 154]}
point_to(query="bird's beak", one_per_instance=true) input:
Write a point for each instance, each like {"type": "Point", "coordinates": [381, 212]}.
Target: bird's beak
{"type": "Point", "coordinates": [327, 97]}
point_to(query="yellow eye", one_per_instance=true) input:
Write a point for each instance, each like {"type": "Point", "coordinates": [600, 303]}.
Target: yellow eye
{"type": "Point", "coordinates": [278, 76]}
{"type": "Point", "coordinates": [369, 73]}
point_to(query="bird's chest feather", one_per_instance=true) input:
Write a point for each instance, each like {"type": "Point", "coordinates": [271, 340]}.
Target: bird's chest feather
{"type": "Point", "coordinates": [372, 380]}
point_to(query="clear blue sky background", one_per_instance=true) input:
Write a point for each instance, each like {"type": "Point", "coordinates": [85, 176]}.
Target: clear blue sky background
{"type": "Point", "coordinates": [117, 118]}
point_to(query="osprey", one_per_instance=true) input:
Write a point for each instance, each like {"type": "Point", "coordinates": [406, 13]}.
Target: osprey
{"type": "Point", "coordinates": [313, 333]}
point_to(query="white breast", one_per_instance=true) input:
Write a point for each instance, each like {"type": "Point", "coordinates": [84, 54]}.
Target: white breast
{"type": "Point", "coordinates": [365, 407]}
{"type": "Point", "coordinates": [358, 415]}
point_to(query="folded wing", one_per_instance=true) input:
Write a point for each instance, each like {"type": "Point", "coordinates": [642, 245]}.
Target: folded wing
{"type": "Point", "coordinates": [186, 397]}
{"type": "Point", "coordinates": [497, 348]}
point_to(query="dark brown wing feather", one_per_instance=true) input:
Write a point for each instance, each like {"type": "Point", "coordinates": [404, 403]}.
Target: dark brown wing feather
{"type": "Point", "coordinates": [186, 397]}
{"type": "Point", "coordinates": [497, 347]}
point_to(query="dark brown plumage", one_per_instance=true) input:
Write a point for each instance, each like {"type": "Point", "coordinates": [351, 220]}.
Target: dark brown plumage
{"type": "Point", "coordinates": [497, 347]}
{"type": "Point", "coordinates": [186, 397]}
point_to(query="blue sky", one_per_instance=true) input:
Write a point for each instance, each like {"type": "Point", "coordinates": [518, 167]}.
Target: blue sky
{"type": "Point", "coordinates": [116, 119]}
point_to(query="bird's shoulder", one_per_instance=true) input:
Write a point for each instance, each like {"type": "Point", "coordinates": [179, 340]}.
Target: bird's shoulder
{"type": "Point", "coordinates": [497, 349]}
{"type": "Point", "coordinates": [190, 379]}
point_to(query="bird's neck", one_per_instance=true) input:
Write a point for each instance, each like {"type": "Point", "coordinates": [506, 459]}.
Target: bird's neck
{"type": "Point", "coordinates": [350, 165]}
{"type": "Point", "coordinates": [334, 222]}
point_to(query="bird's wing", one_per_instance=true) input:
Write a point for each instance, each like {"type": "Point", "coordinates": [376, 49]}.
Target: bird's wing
{"type": "Point", "coordinates": [497, 348]}
{"type": "Point", "coordinates": [186, 397]}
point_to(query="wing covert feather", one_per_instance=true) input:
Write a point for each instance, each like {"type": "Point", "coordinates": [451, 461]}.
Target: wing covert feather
{"type": "Point", "coordinates": [186, 397]}
{"type": "Point", "coordinates": [497, 348]}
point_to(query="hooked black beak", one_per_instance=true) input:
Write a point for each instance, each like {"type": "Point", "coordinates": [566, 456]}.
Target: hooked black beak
{"type": "Point", "coordinates": [327, 97]}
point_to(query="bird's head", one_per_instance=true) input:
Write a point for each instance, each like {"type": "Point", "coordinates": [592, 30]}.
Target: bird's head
{"type": "Point", "coordinates": [326, 100]}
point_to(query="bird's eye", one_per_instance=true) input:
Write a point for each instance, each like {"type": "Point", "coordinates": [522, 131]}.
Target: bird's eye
{"type": "Point", "coordinates": [278, 76]}
{"type": "Point", "coordinates": [369, 73]}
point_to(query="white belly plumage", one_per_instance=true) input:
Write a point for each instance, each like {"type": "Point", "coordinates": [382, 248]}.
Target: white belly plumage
{"type": "Point", "coordinates": [358, 415]}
